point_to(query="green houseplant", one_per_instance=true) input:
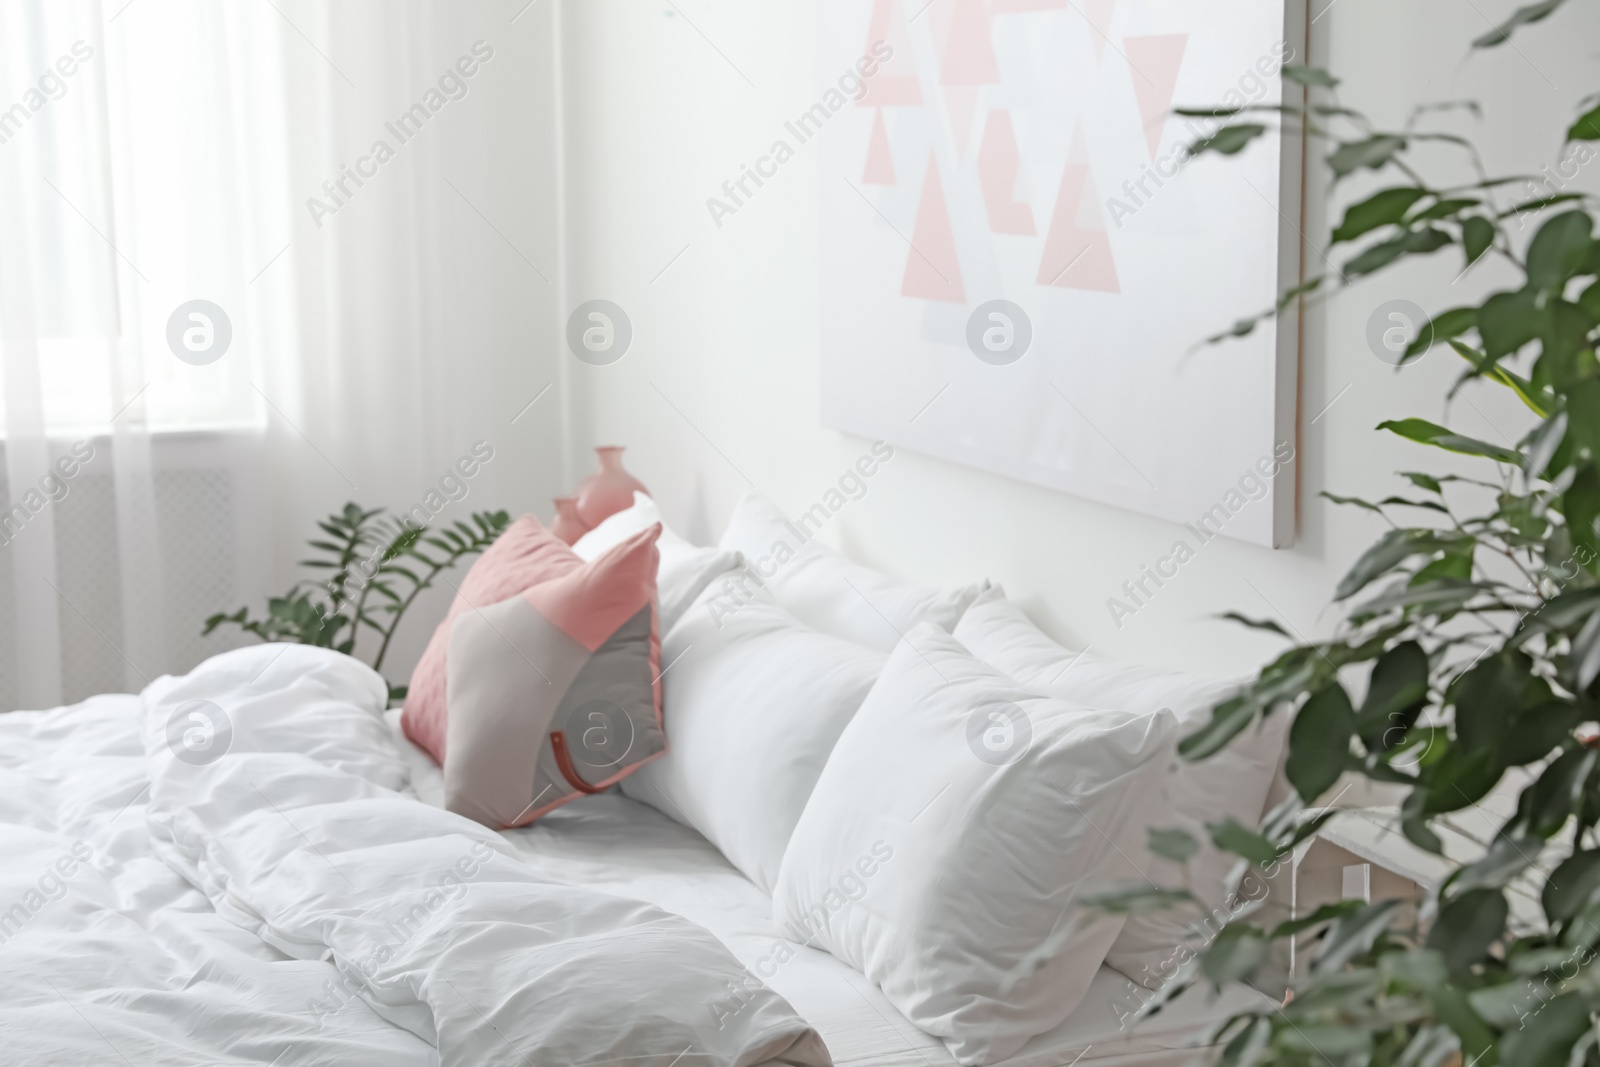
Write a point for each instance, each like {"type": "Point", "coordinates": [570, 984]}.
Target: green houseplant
{"type": "Point", "coordinates": [373, 567]}
{"type": "Point", "coordinates": [1471, 633]}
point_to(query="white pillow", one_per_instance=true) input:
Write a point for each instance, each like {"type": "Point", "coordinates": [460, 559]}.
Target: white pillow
{"type": "Point", "coordinates": [953, 836]}
{"type": "Point", "coordinates": [754, 702]}
{"type": "Point", "coordinates": [829, 592]}
{"type": "Point", "coordinates": [1233, 783]}
{"type": "Point", "coordinates": [685, 569]}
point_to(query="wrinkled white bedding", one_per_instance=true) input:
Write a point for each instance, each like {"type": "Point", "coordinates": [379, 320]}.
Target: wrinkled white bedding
{"type": "Point", "coordinates": [630, 849]}
{"type": "Point", "coordinates": [286, 903]}
{"type": "Point", "coordinates": [116, 958]}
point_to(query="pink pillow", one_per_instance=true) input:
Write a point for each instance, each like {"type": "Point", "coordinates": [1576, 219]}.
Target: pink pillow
{"type": "Point", "coordinates": [554, 691]}
{"type": "Point", "coordinates": [523, 556]}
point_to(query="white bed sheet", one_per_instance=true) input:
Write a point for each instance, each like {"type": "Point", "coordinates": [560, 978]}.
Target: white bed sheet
{"type": "Point", "coordinates": [121, 960]}
{"type": "Point", "coordinates": [623, 847]}
{"type": "Point", "coordinates": [132, 964]}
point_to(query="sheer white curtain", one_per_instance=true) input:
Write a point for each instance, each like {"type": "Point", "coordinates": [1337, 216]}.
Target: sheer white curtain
{"type": "Point", "coordinates": [159, 153]}
{"type": "Point", "coordinates": [130, 179]}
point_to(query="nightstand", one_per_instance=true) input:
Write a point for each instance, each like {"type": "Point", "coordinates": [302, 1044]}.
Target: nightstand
{"type": "Point", "coordinates": [1360, 854]}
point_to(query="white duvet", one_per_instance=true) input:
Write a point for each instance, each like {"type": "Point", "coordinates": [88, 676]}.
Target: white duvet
{"type": "Point", "coordinates": [284, 902]}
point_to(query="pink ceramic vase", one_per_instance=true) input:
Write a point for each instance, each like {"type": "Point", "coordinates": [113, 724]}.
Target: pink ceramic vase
{"type": "Point", "coordinates": [608, 490]}
{"type": "Point", "coordinates": [568, 526]}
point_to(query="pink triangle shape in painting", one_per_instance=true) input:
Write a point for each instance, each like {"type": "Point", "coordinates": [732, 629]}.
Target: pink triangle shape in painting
{"type": "Point", "coordinates": [969, 50]}
{"type": "Point", "coordinates": [932, 269]}
{"type": "Point", "coordinates": [895, 81]}
{"type": "Point", "coordinates": [880, 161]}
{"type": "Point", "coordinates": [961, 103]}
{"type": "Point", "coordinates": [1077, 250]}
{"type": "Point", "coordinates": [1018, 7]}
{"type": "Point", "coordinates": [999, 162]}
{"type": "Point", "coordinates": [1099, 13]}
{"type": "Point", "coordinates": [1155, 62]}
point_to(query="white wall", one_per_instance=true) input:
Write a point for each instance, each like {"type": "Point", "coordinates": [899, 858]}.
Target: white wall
{"type": "Point", "coordinates": [663, 103]}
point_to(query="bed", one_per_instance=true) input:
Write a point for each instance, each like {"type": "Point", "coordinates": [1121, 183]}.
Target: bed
{"type": "Point", "coordinates": [128, 936]}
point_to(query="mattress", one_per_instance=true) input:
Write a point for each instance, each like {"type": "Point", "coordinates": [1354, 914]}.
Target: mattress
{"type": "Point", "coordinates": [621, 846]}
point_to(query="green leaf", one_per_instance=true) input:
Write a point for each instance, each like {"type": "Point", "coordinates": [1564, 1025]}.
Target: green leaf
{"type": "Point", "coordinates": [1342, 1044]}
{"type": "Point", "coordinates": [1477, 237]}
{"type": "Point", "coordinates": [1563, 611]}
{"type": "Point", "coordinates": [1468, 926]}
{"type": "Point", "coordinates": [1506, 858]}
{"type": "Point", "coordinates": [1227, 720]}
{"type": "Point", "coordinates": [1585, 654]}
{"type": "Point", "coordinates": [1396, 691]}
{"type": "Point", "coordinates": [1319, 742]}
{"type": "Point", "coordinates": [1424, 595]}
{"type": "Point", "coordinates": [1523, 16]}
{"type": "Point", "coordinates": [1540, 729]}
{"type": "Point", "coordinates": [1549, 1034]}
{"type": "Point", "coordinates": [1544, 807]}
{"type": "Point", "coordinates": [1570, 885]}
{"type": "Point", "coordinates": [1229, 836]}
{"type": "Point", "coordinates": [1423, 481]}
{"type": "Point", "coordinates": [1507, 321]}
{"type": "Point", "coordinates": [1442, 327]}
{"type": "Point", "coordinates": [1249, 1045]}
{"type": "Point", "coordinates": [1176, 845]}
{"type": "Point", "coordinates": [1428, 433]}
{"type": "Point", "coordinates": [1454, 568]}
{"type": "Point", "coordinates": [1399, 680]}
{"type": "Point", "coordinates": [1326, 914]}
{"type": "Point", "coordinates": [1351, 501]}
{"type": "Point", "coordinates": [1146, 898]}
{"type": "Point", "coordinates": [1255, 624]}
{"type": "Point", "coordinates": [1228, 141]}
{"type": "Point", "coordinates": [1589, 300]}
{"type": "Point", "coordinates": [1586, 128]}
{"type": "Point", "coordinates": [1430, 1046]}
{"type": "Point", "coordinates": [1581, 506]}
{"type": "Point", "coordinates": [1234, 955]}
{"type": "Point", "coordinates": [1416, 242]}
{"type": "Point", "coordinates": [1416, 830]}
{"type": "Point", "coordinates": [1537, 205]}
{"type": "Point", "coordinates": [1541, 445]}
{"type": "Point", "coordinates": [1385, 208]}
{"type": "Point", "coordinates": [1443, 209]}
{"type": "Point", "coordinates": [1484, 694]}
{"type": "Point", "coordinates": [1559, 249]}
{"type": "Point", "coordinates": [1311, 77]}
{"type": "Point", "coordinates": [1352, 935]}
{"type": "Point", "coordinates": [1372, 153]}
{"type": "Point", "coordinates": [1392, 549]}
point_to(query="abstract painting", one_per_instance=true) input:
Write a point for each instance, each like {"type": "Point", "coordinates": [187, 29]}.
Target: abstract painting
{"type": "Point", "coordinates": [1020, 262]}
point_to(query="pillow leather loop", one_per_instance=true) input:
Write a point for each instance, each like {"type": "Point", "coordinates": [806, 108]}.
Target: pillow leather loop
{"type": "Point", "coordinates": [558, 747]}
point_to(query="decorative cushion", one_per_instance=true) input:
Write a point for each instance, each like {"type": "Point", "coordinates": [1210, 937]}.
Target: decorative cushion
{"type": "Point", "coordinates": [829, 592]}
{"type": "Point", "coordinates": [754, 703]}
{"type": "Point", "coordinates": [958, 825]}
{"type": "Point", "coordinates": [1231, 784]}
{"type": "Point", "coordinates": [685, 569]}
{"type": "Point", "coordinates": [552, 692]}
{"type": "Point", "coordinates": [523, 556]}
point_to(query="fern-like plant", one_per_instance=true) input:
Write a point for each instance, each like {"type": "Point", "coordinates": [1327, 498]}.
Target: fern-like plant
{"type": "Point", "coordinates": [375, 566]}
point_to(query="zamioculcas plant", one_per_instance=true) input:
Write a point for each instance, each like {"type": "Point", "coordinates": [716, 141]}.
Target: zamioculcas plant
{"type": "Point", "coordinates": [375, 566]}
{"type": "Point", "coordinates": [1468, 654]}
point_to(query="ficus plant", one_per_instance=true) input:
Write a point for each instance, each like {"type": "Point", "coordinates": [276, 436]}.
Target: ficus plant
{"type": "Point", "coordinates": [371, 567]}
{"type": "Point", "coordinates": [1467, 656]}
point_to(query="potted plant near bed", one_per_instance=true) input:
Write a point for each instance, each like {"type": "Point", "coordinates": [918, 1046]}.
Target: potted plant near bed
{"type": "Point", "coordinates": [370, 567]}
{"type": "Point", "coordinates": [1469, 648]}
